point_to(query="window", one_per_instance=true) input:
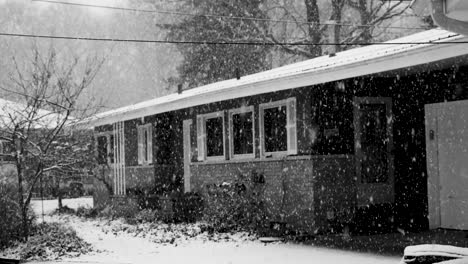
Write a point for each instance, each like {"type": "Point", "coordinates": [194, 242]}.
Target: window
{"type": "Point", "coordinates": [210, 136]}
{"type": "Point", "coordinates": [2, 150]}
{"type": "Point", "coordinates": [102, 149]}
{"type": "Point", "coordinates": [145, 144]}
{"type": "Point", "coordinates": [241, 132]}
{"type": "Point", "coordinates": [105, 148]}
{"type": "Point", "coordinates": [278, 134]}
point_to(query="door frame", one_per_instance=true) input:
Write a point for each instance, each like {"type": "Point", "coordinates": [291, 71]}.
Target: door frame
{"type": "Point", "coordinates": [374, 193]}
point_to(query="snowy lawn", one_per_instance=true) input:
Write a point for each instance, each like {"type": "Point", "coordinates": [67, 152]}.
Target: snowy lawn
{"type": "Point", "coordinates": [117, 242]}
{"type": "Point", "coordinates": [118, 245]}
{"type": "Point", "coordinates": [51, 205]}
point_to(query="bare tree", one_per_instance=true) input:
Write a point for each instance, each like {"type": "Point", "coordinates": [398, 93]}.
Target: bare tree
{"type": "Point", "coordinates": [346, 21]}
{"type": "Point", "coordinates": [38, 128]}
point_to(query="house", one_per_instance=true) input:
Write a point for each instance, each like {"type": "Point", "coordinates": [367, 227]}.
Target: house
{"type": "Point", "coordinates": [38, 124]}
{"type": "Point", "coordinates": [336, 138]}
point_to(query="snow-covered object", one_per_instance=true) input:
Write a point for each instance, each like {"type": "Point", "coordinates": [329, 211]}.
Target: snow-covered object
{"type": "Point", "coordinates": [436, 250]}
{"type": "Point", "coordinates": [434, 253]}
{"type": "Point", "coordinates": [455, 261]}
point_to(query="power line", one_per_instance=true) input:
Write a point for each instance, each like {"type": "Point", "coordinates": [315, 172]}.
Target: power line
{"type": "Point", "coordinates": [250, 43]}
{"type": "Point", "coordinates": [219, 16]}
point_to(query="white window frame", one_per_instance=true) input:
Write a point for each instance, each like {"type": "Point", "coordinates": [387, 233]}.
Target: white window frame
{"type": "Point", "coordinates": [231, 133]}
{"type": "Point", "coordinates": [291, 127]}
{"type": "Point", "coordinates": [142, 158]}
{"type": "Point", "coordinates": [201, 136]}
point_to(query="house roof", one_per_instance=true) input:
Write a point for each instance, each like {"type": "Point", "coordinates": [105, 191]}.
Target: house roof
{"type": "Point", "coordinates": [13, 112]}
{"type": "Point", "coordinates": [396, 54]}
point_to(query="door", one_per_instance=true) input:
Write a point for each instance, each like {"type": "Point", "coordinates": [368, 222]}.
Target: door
{"type": "Point", "coordinates": [452, 143]}
{"type": "Point", "coordinates": [373, 120]}
{"type": "Point", "coordinates": [187, 154]}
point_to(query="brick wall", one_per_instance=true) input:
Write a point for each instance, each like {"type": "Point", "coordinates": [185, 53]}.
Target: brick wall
{"type": "Point", "coordinates": [298, 178]}
{"type": "Point", "coordinates": [334, 190]}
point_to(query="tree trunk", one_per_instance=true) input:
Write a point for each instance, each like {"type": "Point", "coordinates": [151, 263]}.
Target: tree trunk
{"type": "Point", "coordinates": [366, 36]}
{"type": "Point", "coordinates": [313, 17]}
{"type": "Point", "coordinates": [59, 193]}
{"type": "Point", "coordinates": [336, 15]}
{"type": "Point", "coordinates": [19, 169]}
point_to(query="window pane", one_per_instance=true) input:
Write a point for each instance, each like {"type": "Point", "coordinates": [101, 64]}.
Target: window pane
{"type": "Point", "coordinates": [214, 137]}
{"type": "Point", "coordinates": [275, 129]}
{"type": "Point", "coordinates": [145, 145]}
{"type": "Point", "coordinates": [102, 150]}
{"type": "Point", "coordinates": [374, 143]}
{"type": "Point", "coordinates": [242, 133]}
{"type": "Point", "coordinates": [111, 149]}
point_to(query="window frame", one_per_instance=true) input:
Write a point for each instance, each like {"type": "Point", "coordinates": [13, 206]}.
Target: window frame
{"type": "Point", "coordinates": [201, 136]}
{"type": "Point", "coordinates": [291, 127]}
{"type": "Point", "coordinates": [235, 111]}
{"type": "Point", "coordinates": [148, 158]}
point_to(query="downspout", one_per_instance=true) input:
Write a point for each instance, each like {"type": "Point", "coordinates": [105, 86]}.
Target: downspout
{"type": "Point", "coordinates": [441, 19]}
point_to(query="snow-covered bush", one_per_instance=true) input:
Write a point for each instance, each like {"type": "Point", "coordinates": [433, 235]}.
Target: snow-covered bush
{"type": "Point", "coordinates": [235, 206]}
{"type": "Point", "coordinates": [87, 212]}
{"type": "Point", "coordinates": [121, 208]}
{"type": "Point", "coordinates": [50, 241]}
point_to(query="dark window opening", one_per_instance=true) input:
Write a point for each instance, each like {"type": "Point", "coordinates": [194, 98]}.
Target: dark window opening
{"type": "Point", "coordinates": [242, 133]}
{"type": "Point", "coordinates": [102, 150]}
{"type": "Point", "coordinates": [111, 149]}
{"type": "Point", "coordinates": [275, 131]}
{"type": "Point", "coordinates": [214, 137]}
{"type": "Point", "coordinates": [145, 145]}
{"type": "Point", "coordinates": [374, 143]}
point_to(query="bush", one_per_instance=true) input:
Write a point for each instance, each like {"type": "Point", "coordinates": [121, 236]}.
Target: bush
{"type": "Point", "coordinates": [87, 212]}
{"type": "Point", "coordinates": [188, 207]}
{"type": "Point", "coordinates": [50, 241]}
{"type": "Point", "coordinates": [10, 216]}
{"type": "Point", "coordinates": [122, 208]}
{"type": "Point", "coordinates": [147, 216]}
{"type": "Point", "coordinates": [235, 206]}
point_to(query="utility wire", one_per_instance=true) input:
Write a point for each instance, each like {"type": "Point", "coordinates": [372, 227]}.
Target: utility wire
{"type": "Point", "coordinates": [250, 43]}
{"type": "Point", "coordinates": [219, 16]}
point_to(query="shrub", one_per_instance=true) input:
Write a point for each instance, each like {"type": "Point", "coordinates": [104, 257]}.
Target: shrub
{"type": "Point", "coordinates": [235, 206]}
{"type": "Point", "coordinates": [147, 216]}
{"type": "Point", "coordinates": [121, 208]}
{"type": "Point", "coordinates": [10, 215]}
{"type": "Point", "coordinates": [50, 241]}
{"type": "Point", "coordinates": [188, 207]}
{"type": "Point", "coordinates": [87, 212]}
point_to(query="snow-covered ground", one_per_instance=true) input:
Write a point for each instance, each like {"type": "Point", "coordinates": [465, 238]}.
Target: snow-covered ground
{"type": "Point", "coordinates": [122, 247]}
{"type": "Point", "coordinates": [50, 205]}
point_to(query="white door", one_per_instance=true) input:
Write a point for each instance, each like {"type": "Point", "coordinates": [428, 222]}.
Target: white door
{"type": "Point", "coordinates": [187, 154]}
{"type": "Point", "coordinates": [447, 161]}
{"type": "Point", "coordinates": [453, 165]}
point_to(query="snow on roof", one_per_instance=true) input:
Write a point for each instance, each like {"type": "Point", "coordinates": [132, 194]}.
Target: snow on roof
{"type": "Point", "coordinates": [13, 112]}
{"type": "Point", "coordinates": [396, 54]}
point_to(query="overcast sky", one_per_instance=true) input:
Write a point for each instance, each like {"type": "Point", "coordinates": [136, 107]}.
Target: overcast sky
{"type": "Point", "coordinates": [131, 73]}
